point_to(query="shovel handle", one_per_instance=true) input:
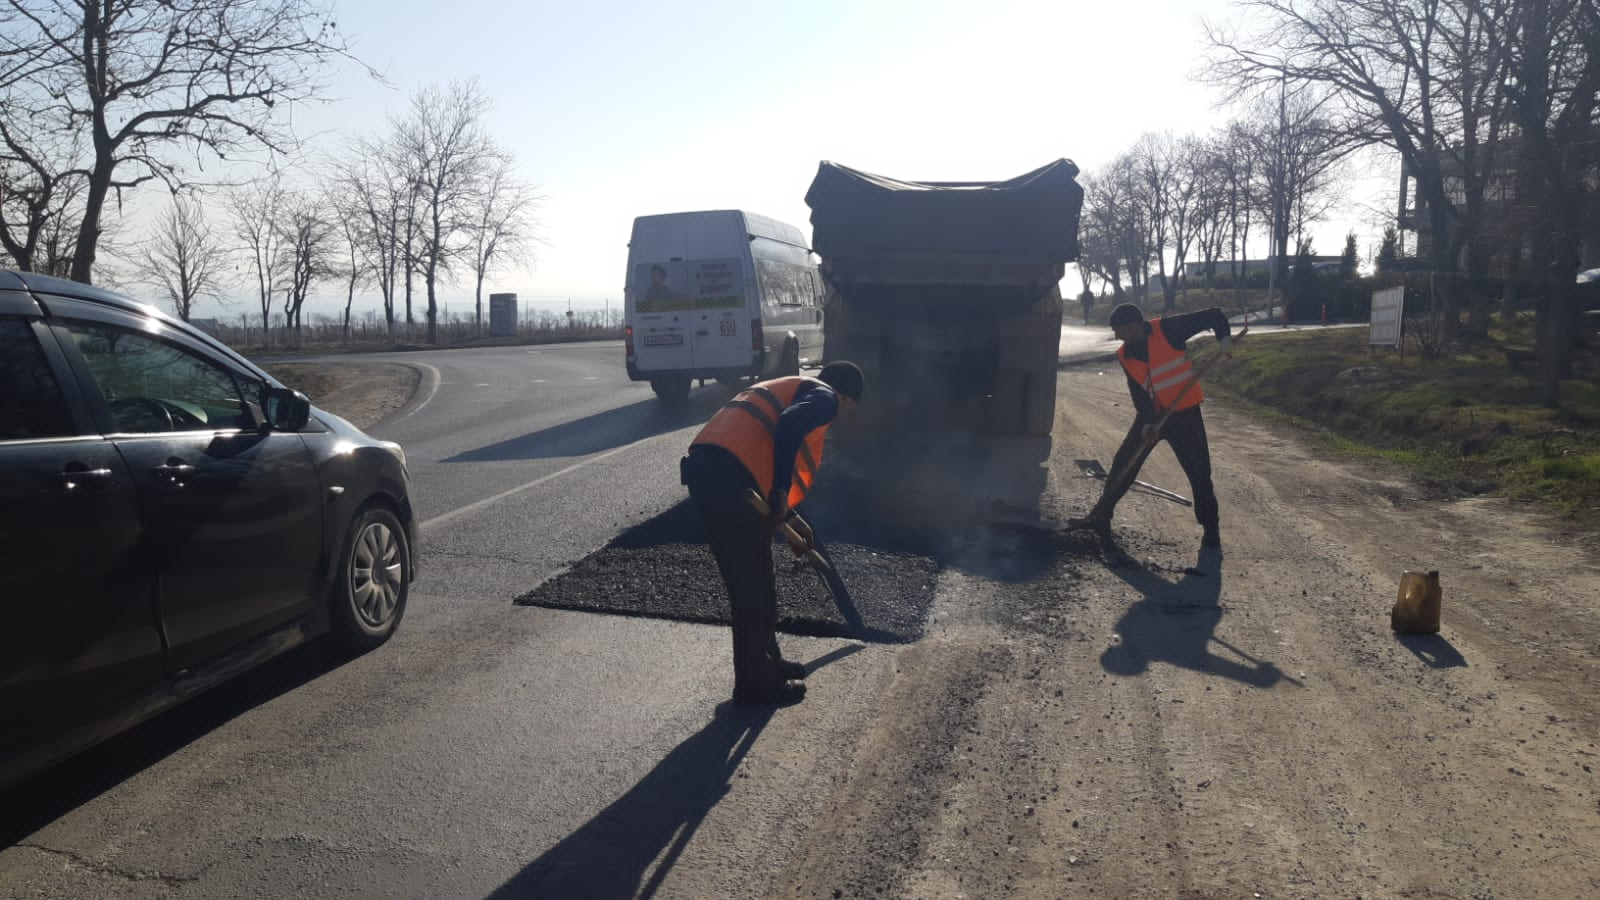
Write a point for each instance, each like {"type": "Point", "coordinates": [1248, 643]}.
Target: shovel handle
{"type": "Point", "coordinates": [760, 504]}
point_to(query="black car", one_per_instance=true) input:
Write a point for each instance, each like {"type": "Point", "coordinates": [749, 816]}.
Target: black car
{"type": "Point", "coordinates": [170, 515]}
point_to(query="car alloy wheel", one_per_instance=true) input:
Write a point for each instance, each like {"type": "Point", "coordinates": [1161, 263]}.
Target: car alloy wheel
{"type": "Point", "coordinates": [374, 580]}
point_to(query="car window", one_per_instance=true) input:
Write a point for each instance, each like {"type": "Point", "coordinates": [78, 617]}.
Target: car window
{"type": "Point", "coordinates": [152, 386]}
{"type": "Point", "coordinates": [31, 402]}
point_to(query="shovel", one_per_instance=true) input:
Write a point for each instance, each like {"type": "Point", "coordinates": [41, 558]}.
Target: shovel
{"type": "Point", "coordinates": [1091, 468]}
{"type": "Point", "coordinates": [830, 575]}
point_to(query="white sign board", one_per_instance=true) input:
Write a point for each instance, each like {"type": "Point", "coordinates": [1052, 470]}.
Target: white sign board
{"type": "Point", "coordinates": [1386, 308]}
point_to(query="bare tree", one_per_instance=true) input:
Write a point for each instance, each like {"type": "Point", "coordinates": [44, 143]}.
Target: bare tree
{"type": "Point", "coordinates": [1167, 179]}
{"type": "Point", "coordinates": [183, 257]}
{"type": "Point", "coordinates": [1211, 168]}
{"type": "Point", "coordinates": [378, 197]}
{"type": "Point", "coordinates": [1408, 74]}
{"type": "Point", "coordinates": [257, 210]}
{"type": "Point", "coordinates": [351, 225]}
{"type": "Point", "coordinates": [1552, 53]}
{"type": "Point", "coordinates": [504, 224]}
{"type": "Point", "coordinates": [37, 195]}
{"type": "Point", "coordinates": [446, 150]}
{"type": "Point", "coordinates": [134, 80]}
{"type": "Point", "coordinates": [306, 239]}
{"type": "Point", "coordinates": [1098, 253]}
{"type": "Point", "coordinates": [1123, 212]}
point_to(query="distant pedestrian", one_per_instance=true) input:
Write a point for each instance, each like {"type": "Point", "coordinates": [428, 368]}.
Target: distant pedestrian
{"type": "Point", "coordinates": [1167, 398]}
{"type": "Point", "coordinates": [768, 438]}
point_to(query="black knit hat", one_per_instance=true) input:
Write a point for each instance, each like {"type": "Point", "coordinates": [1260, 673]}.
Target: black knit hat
{"type": "Point", "coordinates": [1125, 314]}
{"type": "Point", "coordinates": [845, 377]}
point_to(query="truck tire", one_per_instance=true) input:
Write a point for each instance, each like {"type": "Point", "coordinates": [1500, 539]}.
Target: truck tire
{"type": "Point", "coordinates": [670, 390]}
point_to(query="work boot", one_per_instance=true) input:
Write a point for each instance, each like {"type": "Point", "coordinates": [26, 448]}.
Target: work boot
{"type": "Point", "coordinates": [780, 694]}
{"type": "Point", "coordinates": [789, 670]}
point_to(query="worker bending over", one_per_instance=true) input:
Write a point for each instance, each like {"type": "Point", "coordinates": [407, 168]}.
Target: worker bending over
{"type": "Point", "coordinates": [770, 438]}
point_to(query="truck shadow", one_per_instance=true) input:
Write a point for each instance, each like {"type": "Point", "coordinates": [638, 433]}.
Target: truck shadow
{"type": "Point", "coordinates": [603, 431]}
{"type": "Point", "coordinates": [628, 848]}
{"type": "Point", "coordinates": [1175, 623]}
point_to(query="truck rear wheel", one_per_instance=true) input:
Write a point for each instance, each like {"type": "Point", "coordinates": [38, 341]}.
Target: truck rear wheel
{"type": "Point", "coordinates": [670, 390]}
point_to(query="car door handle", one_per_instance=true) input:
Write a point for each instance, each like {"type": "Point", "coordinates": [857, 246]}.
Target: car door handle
{"type": "Point", "coordinates": [76, 476]}
{"type": "Point", "coordinates": [173, 470]}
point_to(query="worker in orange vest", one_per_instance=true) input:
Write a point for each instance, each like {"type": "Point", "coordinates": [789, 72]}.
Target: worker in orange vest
{"type": "Point", "coordinates": [1167, 396]}
{"type": "Point", "coordinates": [770, 438]}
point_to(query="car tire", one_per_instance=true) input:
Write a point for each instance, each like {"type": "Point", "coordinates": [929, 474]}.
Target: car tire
{"type": "Point", "coordinates": [373, 581]}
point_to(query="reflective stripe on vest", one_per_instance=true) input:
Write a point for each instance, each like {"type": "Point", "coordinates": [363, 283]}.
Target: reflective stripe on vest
{"type": "Point", "coordinates": [747, 427]}
{"type": "Point", "coordinates": [1168, 376]}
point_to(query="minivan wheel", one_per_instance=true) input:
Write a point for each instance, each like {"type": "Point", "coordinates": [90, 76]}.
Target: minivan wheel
{"type": "Point", "coordinates": [671, 390]}
{"type": "Point", "coordinates": [374, 580]}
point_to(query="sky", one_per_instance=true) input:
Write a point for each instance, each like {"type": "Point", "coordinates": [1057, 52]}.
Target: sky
{"type": "Point", "coordinates": [619, 109]}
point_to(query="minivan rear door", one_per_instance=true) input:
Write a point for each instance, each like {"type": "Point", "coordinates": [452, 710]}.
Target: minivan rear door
{"type": "Point", "coordinates": [721, 317]}
{"type": "Point", "coordinates": [662, 325]}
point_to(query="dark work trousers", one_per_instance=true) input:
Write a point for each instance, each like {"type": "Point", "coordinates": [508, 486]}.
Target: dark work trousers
{"type": "Point", "coordinates": [741, 541]}
{"type": "Point", "coordinates": [1185, 430]}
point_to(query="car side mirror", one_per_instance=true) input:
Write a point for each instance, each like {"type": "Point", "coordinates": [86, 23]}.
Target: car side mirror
{"type": "Point", "coordinates": [285, 409]}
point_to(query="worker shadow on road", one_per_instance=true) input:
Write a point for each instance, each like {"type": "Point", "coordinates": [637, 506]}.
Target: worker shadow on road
{"type": "Point", "coordinates": [602, 431]}
{"type": "Point", "coordinates": [629, 847]}
{"type": "Point", "coordinates": [1175, 623]}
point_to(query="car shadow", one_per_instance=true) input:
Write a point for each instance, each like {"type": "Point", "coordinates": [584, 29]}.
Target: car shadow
{"type": "Point", "coordinates": [1433, 649]}
{"type": "Point", "coordinates": [57, 791]}
{"type": "Point", "coordinates": [628, 848]}
{"type": "Point", "coordinates": [1175, 623]}
{"type": "Point", "coordinates": [603, 431]}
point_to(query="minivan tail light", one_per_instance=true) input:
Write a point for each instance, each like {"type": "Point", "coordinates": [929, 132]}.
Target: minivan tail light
{"type": "Point", "coordinates": [757, 344]}
{"type": "Point", "coordinates": [627, 339]}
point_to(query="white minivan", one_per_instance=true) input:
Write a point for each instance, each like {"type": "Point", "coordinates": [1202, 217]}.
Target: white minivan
{"type": "Point", "coordinates": [722, 294]}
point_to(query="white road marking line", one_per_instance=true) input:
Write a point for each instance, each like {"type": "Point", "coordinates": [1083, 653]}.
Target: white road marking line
{"type": "Point", "coordinates": [480, 504]}
{"type": "Point", "coordinates": [433, 388]}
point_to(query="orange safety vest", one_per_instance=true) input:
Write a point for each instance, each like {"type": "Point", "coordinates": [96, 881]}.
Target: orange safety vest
{"type": "Point", "coordinates": [747, 427]}
{"type": "Point", "coordinates": [1167, 375]}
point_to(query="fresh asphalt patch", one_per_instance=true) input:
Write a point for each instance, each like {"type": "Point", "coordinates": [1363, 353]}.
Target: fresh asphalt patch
{"type": "Point", "coordinates": [663, 568]}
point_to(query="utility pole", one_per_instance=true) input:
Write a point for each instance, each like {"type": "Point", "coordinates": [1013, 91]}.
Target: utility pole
{"type": "Point", "coordinates": [1275, 250]}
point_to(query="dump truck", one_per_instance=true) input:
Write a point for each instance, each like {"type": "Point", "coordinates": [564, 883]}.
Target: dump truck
{"type": "Point", "coordinates": [947, 293]}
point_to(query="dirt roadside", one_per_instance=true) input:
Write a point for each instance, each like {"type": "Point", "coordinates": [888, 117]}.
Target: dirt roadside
{"type": "Point", "coordinates": [1130, 728]}
{"type": "Point", "coordinates": [364, 393]}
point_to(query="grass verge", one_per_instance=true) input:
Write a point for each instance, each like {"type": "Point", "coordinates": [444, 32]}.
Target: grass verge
{"type": "Point", "coordinates": [1467, 422]}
